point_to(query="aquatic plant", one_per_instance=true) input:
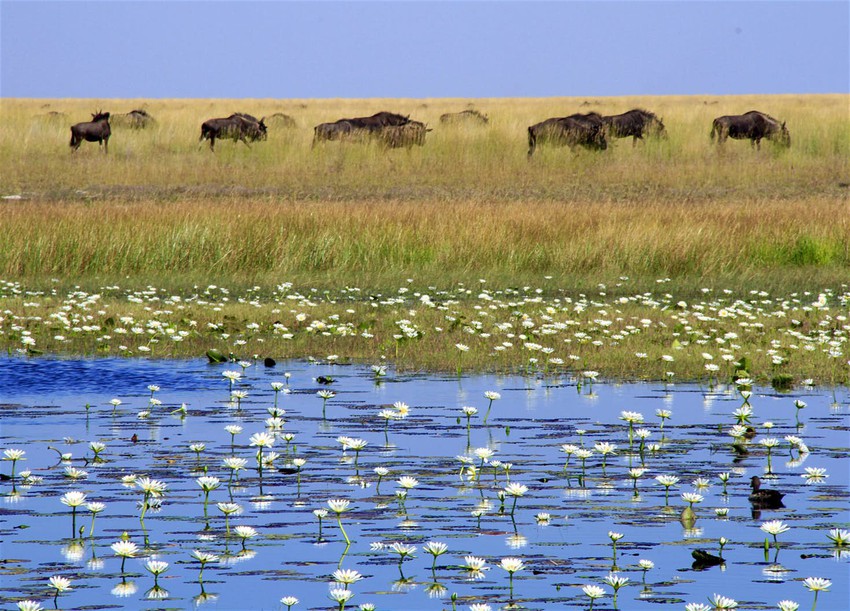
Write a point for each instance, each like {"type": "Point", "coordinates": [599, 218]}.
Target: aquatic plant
{"type": "Point", "coordinates": [616, 581]}
{"type": "Point", "coordinates": [60, 584]}
{"type": "Point", "coordinates": [515, 490]}
{"type": "Point", "coordinates": [816, 585]}
{"type": "Point", "coordinates": [645, 565]}
{"type": "Point", "coordinates": [124, 549]}
{"type": "Point", "coordinates": [605, 448]}
{"type": "Point", "coordinates": [436, 549]}
{"type": "Point", "coordinates": [228, 509]}
{"type": "Point", "coordinates": [13, 455]}
{"type": "Point", "coordinates": [769, 443]}
{"type": "Point", "coordinates": [631, 418]}
{"type": "Point", "coordinates": [339, 507]}
{"type": "Point", "coordinates": [490, 395]}
{"type": "Point", "coordinates": [94, 508]}
{"type": "Point", "coordinates": [289, 602]}
{"type": "Point", "coordinates": [152, 489]}
{"type": "Point", "coordinates": [346, 577]}
{"type": "Point", "coordinates": [635, 474]}
{"type": "Point", "coordinates": [73, 499]}
{"type": "Point", "coordinates": [839, 537]}
{"type": "Point", "coordinates": [787, 605]}
{"type": "Point", "coordinates": [29, 605]}
{"type": "Point", "coordinates": [244, 533]}
{"type": "Point", "coordinates": [774, 528]}
{"type": "Point", "coordinates": [404, 551]}
{"type": "Point", "coordinates": [156, 568]}
{"type": "Point", "coordinates": [203, 558]}
{"type": "Point", "coordinates": [722, 602]}
{"type": "Point", "coordinates": [324, 395]}
{"type": "Point", "coordinates": [667, 481]}
{"type": "Point", "coordinates": [511, 565]}
{"type": "Point", "coordinates": [593, 592]}
{"type": "Point", "coordinates": [340, 596]}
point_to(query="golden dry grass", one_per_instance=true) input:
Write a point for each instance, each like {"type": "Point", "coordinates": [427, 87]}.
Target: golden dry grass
{"type": "Point", "coordinates": [467, 204]}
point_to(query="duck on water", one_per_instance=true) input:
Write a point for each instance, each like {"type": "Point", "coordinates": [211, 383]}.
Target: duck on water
{"type": "Point", "coordinates": [764, 498]}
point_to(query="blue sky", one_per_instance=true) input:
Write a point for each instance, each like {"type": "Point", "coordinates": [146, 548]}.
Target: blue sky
{"type": "Point", "coordinates": [360, 49]}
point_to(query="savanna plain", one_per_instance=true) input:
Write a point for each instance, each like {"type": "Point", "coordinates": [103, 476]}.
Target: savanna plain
{"type": "Point", "coordinates": [460, 254]}
{"type": "Point", "coordinates": [574, 369]}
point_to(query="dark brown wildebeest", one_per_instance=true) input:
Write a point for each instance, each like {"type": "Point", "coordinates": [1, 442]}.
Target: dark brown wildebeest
{"type": "Point", "coordinates": [135, 119]}
{"type": "Point", "coordinates": [359, 128]}
{"type": "Point", "coordinates": [338, 130]}
{"type": "Point", "coordinates": [238, 126]}
{"type": "Point", "coordinates": [96, 130]}
{"type": "Point", "coordinates": [397, 136]}
{"type": "Point", "coordinates": [378, 120]}
{"type": "Point", "coordinates": [464, 116]}
{"type": "Point", "coordinates": [754, 125]}
{"type": "Point", "coordinates": [281, 120]}
{"type": "Point", "coordinates": [636, 123]}
{"type": "Point", "coordinates": [587, 131]}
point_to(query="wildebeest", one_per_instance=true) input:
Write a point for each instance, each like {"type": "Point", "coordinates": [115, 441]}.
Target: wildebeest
{"type": "Point", "coordinates": [238, 126]}
{"type": "Point", "coordinates": [464, 116]}
{"type": "Point", "coordinates": [96, 130]}
{"type": "Point", "coordinates": [636, 123]}
{"type": "Point", "coordinates": [338, 130]}
{"type": "Point", "coordinates": [135, 119]}
{"type": "Point", "coordinates": [754, 125]}
{"type": "Point", "coordinates": [281, 120]}
{"type": "Point", "coordinates": [378, 120]}
{"type": "Point", "coordinates": [586, 130]}
{"type": "Point", "coordinates": [358, 128]}
{"type": "Point", "coordinates": [397, 136]}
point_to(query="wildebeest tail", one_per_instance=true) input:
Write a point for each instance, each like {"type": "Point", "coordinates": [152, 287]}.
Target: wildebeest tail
{"type": "Point", "coordinates": [714, 127]}
{"type": "Point", "coordinates": [532, 140]}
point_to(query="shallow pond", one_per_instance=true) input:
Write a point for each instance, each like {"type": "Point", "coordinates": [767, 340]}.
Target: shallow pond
{"type": "Point", "coordinates": [44, 413]}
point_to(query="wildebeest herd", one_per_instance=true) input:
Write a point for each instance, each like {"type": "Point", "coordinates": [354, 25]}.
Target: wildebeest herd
{"type": "Point", "coordinates": [590, 130]}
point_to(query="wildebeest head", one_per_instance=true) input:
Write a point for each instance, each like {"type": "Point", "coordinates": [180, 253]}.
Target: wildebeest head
{"type": "Point", "coordinates": [784, 136]}
{"type": "Point", "coordinates": [99, 116]}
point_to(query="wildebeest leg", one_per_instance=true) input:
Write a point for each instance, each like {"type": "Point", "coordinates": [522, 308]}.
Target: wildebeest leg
{"type": "Point", "coordinates": [758, 144]}
{"type": "Point", "coordinates": [212, 143]}
{"type": "Point", "coordinates": [106, 145]}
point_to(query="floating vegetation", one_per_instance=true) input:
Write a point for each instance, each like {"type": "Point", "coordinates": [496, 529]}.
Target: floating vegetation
{"type": "Point", "coordinates": [475, 512]}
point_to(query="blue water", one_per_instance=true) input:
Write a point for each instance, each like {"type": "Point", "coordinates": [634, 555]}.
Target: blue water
{"type": "Point", "coordinates": [43, 404]}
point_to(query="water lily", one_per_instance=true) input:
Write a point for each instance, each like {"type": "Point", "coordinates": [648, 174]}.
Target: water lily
{"type": "Point", "coordinates": [816, 585]}
{"type": "Point", "coordinates": [616, 582]}
{"type": "Point", "coordinates": [245, 533]}
{"type": "Point", "coordinates": [435, 548]}
{"type": "Point", "coordinates": [404, 551]}
{"type": "Point", "coordinates": [228, 509]}
{"type": "Point", "coordinates": [289, 602]}
{"type": "Point", "coordinates": [775, 528]}
{"type": "Point", "coordinates": [839, 538]}
{"type": "Point", "coordinates": [340, 506]}
{"type": "Point", "coordinates": [60, 584]}
{"type": "Point", "coordinates": [156, 568]}
{"type": "Point", "coordinates": [324, 395]}
{"type": "Point", "coordinates": [124, 549]}
{"type": "Point", "coordinates": [73, 499]}
{"type": "Point", "coordinates": [346, 577]}
{"type": "Point", "coordinates": [722, 602]}
{"type": "Point", "coordinates": [787, 605]}
{"type": "Point", "coordinates": [667, 481]}
{"type": "Point", "coordinates": [593, 592]}
{"type": "Point", "coordinates": [490, 395]}
{"type": "Point", "coordinates": [95, 508]}
{"type": "Point", "coordinates": [511, 565]}
{"type": "Point", "coordinates": [203, 558]}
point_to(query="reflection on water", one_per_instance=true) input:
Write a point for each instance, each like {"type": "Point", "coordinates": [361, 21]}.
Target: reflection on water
{"type": "Point", "coordinates": [559, 526]}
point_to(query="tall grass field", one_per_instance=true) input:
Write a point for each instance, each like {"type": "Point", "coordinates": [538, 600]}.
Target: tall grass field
{"type": "Point", "coordinates": [468, 203]}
